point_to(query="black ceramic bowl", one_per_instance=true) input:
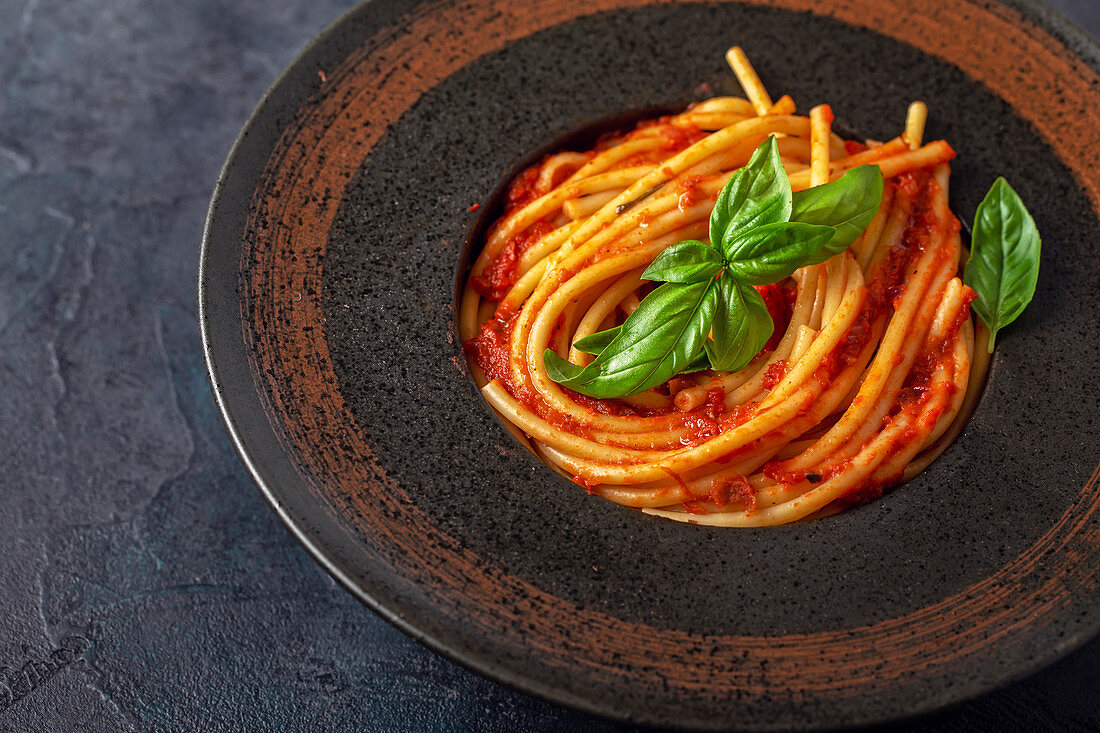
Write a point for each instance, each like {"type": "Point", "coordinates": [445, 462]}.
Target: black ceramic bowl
{"type": "Point", "coordinates": [339, 229]}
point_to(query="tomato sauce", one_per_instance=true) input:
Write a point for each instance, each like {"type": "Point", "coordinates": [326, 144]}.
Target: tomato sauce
{"type": "Point", "coordinates": [499, 277]}
{"type": "Point", "coordinates": [583, 482]}
{"type": "Point", "coordinates": [700, 428]}
{"type": "Point", "coordinates": [523, 190]}
{"type": "Point", "coordinates": [854, 146]}
{"type": "Point", "coordinates": [689, 192]}
{"type": "Point", "coordinates": [815, 475]}
{"type": "Point", "coordinates": [733, 491]}
{"type": "Point", "coordinates": [490, 347]}
{"type": "Point", "coordinates": [779, 300]}
{"type": "Point", "coordinates": [704, 422]}
{"type": "Point", "coordinates": [738, 415]}
{"type": "Point", "coordinates": [774, 374]}
{"type": "Point", "coordinates": [680, 137]}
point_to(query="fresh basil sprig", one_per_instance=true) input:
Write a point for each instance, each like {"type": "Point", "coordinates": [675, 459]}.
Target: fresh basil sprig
{"type": "Point", "coordinates": [707, 314]}
{"type": "Point", "coordinates": [1003, 268]}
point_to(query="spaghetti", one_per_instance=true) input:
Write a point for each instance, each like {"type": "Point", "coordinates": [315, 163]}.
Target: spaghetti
{"type": "Point", "coordinates": [869, 374]}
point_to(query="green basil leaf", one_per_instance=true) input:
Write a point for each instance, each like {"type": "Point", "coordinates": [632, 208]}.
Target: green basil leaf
{"type": "Point", "coordinates": [741, 326]}
{"type": "Point", "coordinates": [1003, 268]}
{"type": "Point", "coordinates": [664, 334]}
{"type": "Point", "coordinates": [848, 204]}
{"type": "Point", "coordinates": [562, 371]}
{"type": "Point", "coordinates": [769, 253]}
{"type": "Point", "coordinates": [699, 364]}
{"type": "Point", "coordinates": [597, 342]}
{"type": "Point", "coordinates": [757, 194]}
{"type": "Point", "coordinates": [685, 262]}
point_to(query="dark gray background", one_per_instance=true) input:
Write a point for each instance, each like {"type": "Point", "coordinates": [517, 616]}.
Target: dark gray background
{"type": "Point", "coordinates": [131, 537]}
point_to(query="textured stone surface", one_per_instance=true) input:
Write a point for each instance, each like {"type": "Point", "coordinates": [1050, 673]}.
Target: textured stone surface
{"type": "Point", "coordinates": [144, 584]}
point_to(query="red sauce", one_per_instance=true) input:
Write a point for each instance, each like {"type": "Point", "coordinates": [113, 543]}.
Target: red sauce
{"type": "Point", "coordinates": [867, 491]}
{"type": "Point", "coordinates": [680, 137]}
{"type": "Point", "coordinates": [780, 303]}
{"type": "Point", "coordinates": [490, 347]}
{"type": "Point", "coordinates": [700, 429]}
{"type": "Point", "coordinates": [498, 278]}
{"type": "Point", "coordinates": [917, 387]}
{"type": "Point", "coordinates": [733, 490]}
{"type": "Point", "coordinates": [851, 147]}
{"type": "Point", "coordinates": [887, 281]}
{"type": "Point", "coordinates": [588, 486]}
{"type": "Point", "coordinates": [848, 350]}
{"type": "Point", "coordinates": [714, 404]}
{"type": "Point", "coordinates": [882, 287]}
{"type": "Point", "coordinates": [775, 372]}
{"type": "Point", "coordinates": [815, 475]}
{"type": "Point", "coordinates": [636, 159]}
{"type": "Point", "coordinates": [739, 415]}
{"type": "Point", "coordinates": [523, 190]}
{"type": "Point", "coordinates": [689, 193]}
{"type": "Point", "coordinates": [703, 422]}
{"type": "Point", "coordinates": [908, 184]}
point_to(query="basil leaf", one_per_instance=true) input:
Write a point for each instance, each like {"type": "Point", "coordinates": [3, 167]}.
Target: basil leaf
{"type": "Point", "coordinates": [685, 262]}
{"type": "Point", "coordinates": [1003, 268]}
{"type": "Point", "coordinates": [848, 204]}
{"type": "Point", "coordinates": [698, 364]}
{"type": "Point", "coordinates": [596, 342]}
{"type": "Point", "coordinates": [562, 371]}
{"type": "Point", "coordinates": [770, 253]}
{"type": "Point", "coordinates": [757, 194]}
{"type": "Point", "coordinates": [741, 326]}
{"type": "Point", "coordinates": [662, 336]}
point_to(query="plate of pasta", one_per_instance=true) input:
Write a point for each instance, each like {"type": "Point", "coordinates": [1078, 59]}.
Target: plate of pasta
{"type": "Point", "coordinates": [724, 365]}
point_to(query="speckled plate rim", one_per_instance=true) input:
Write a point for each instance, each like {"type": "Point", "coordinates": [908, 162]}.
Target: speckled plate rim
{"type": "Point", "coordinates": [228, 386]}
